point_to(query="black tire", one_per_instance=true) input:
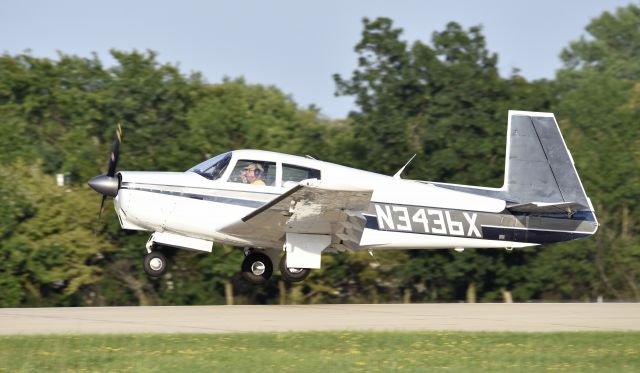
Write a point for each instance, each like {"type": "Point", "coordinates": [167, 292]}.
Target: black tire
{"type": "Point", "coordinates": [152, 266]}
{"type": "Point", "coordinates": [292, 274]}
{"type": "Point", "coordinates": [257, 259]}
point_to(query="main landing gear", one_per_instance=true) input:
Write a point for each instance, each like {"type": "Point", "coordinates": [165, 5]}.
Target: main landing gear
{"type": "Point", "coordinates": [292, 274]}
{"type": "Point", "coordinates": [257, 268]}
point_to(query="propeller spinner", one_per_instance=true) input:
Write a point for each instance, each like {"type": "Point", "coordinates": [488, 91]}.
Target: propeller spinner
{"type": "Point", "coordinates": [107, 184]}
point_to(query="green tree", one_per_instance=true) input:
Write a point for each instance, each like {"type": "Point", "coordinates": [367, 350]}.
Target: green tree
{"type": "Point", "coordinates": [441, 102]}
{"type": "Point", "coordinates": [599, 107]}
{"type": "Point", "coordinates": [51, 255]}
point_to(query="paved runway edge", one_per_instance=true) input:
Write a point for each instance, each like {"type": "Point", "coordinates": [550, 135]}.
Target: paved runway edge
{"type": "Point", "coordinates": [519, 317]}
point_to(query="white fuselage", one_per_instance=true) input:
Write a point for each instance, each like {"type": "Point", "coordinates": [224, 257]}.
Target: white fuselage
{"type": "Point", "coordinates": [187, 204]}
{"type": "Point", "coordinates": [402, 214]}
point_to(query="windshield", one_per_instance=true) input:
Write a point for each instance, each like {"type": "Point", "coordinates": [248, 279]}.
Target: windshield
{"type": "Point", "coordinates": [212, 168]}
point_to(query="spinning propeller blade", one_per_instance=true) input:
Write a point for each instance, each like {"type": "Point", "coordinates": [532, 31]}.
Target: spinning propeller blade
{"type": "Point", "coordinates": [115, 152]}
{"type": "Point", "coordinates": [108, 184]}
{"type": "Point", "coordinates": [104, 197]}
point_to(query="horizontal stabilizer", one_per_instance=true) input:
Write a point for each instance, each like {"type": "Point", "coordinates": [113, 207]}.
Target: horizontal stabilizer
{"type": "Point", "coordinates": [546, 207]}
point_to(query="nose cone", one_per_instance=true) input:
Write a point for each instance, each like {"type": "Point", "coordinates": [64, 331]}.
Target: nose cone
{"type": "Point", "coordinates": [105, 185]}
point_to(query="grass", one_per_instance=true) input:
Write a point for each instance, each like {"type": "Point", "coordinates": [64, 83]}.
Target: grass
{"type": "Point", "coordinates": [324, 352]}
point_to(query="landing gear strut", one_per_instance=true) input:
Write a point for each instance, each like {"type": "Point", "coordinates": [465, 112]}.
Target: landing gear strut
{"type": "Point", "coordinates": [155, 264]}
{"type": "Point", "coordinates": [257, 268]}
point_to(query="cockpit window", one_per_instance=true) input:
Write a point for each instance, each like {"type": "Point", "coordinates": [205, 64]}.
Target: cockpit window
{"type": "Point", "coordinates": [212, 168]}
{"type": "Point", "coordinates": [254, 172]}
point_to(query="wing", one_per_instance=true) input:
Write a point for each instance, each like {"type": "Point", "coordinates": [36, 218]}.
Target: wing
{"type": "Point", "coordinates": [311, 207]}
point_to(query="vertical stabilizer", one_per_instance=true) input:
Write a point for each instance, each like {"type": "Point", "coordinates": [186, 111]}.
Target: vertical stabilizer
{"type": "Point", "coordinates": [539, 167]}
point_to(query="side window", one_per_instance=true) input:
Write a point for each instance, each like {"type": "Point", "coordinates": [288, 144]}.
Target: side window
{"type": "Point", "coordinates": [254, 172]}
{"type": "Point", "coordinates": [296, 173]}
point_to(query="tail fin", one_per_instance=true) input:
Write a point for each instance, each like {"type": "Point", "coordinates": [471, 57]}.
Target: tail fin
{"type": "Point", "coordinates": [539, 167]}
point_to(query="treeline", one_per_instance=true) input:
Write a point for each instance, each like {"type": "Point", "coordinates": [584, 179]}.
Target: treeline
{"type": "Point", "coordinates": [443, 100]}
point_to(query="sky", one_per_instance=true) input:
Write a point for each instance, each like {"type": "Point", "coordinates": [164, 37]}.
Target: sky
{"type": "Point", "coordinates": [294, 45]}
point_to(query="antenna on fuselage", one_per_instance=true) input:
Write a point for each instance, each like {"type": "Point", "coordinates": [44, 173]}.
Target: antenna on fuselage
{"type": "Point", "coordinates": [308, 156]}
{"type": "Point", "coordinates": [397, 175]}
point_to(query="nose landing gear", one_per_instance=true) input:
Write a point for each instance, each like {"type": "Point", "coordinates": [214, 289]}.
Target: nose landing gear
{"type": "Point", "coordinates": [155, 264]}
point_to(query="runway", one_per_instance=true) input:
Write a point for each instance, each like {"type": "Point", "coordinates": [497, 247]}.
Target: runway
{"type": "Point", "coordinates": [521, 317]}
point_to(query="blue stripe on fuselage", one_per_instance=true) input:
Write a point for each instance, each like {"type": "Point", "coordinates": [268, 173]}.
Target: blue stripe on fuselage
{"type": "Point", "coordinates": [204, 197]}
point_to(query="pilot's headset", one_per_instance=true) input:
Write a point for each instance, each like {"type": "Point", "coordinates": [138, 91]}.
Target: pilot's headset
{"type": "Point", "coordinates": [258, 170]}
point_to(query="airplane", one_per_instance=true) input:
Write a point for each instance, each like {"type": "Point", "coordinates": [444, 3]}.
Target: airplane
{"type": "Point", "coordinates": [288, 209]}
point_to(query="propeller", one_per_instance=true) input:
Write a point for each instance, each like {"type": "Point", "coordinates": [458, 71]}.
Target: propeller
{"type": "Point", "coordinates": [107, 184]}
{"type": "Point", "coordinates": [104, 198]}
{"type": "Point", "coordinates": [115, 152]}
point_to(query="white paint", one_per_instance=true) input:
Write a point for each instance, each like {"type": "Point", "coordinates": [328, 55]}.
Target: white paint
{"type": "Point", "coordinates": [374, 239]}
{"type": "Point", "coordinates": [384, 217]}
{"type": "Point", "coordinates": [176, 240]}
{"type": "Point", "coordinates": [439, 227]}
{"type": "Point", "coordinates": [403, 217]}
{"type": "Point", "coordinates": [305, 250]}
{"type": "Point", "coordinates": [455, 227]}
{"type": "Point", "coordinates": [421, 217]}
{"type": "Point", "coordinates": [397, 174]}
{"type": "Point", "coordinates": [471, 219]}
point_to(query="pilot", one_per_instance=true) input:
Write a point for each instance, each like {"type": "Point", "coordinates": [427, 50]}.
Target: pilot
{"type": "Point", "coordinates": [252, 174]}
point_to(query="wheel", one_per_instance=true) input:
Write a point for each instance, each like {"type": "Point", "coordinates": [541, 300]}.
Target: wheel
{"type": "Point", "coordinates": [292, 274]}
{"type": "Point", "coordinates": [257, 268]}
{"type": "Point", "coordinates": [155, 264]}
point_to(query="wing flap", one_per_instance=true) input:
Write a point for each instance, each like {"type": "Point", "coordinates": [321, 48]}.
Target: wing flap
{"type": "Point", "coordinates": [312, 207]}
